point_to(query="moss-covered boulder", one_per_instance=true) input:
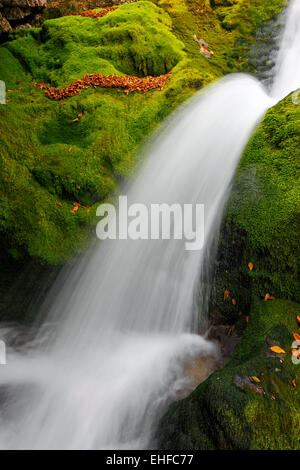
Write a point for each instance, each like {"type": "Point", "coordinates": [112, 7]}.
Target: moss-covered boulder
{"type": "Point", "coordinates": [258, 258]}
{"type": "Point", "coordinates": [49, 162]}
{"type": "Point", "coordinates": [252, 402]}
{"type": "Point", "coordinates": [261, 226]}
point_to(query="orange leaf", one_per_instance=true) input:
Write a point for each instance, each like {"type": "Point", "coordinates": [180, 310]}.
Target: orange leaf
{"type": "Point", "coordinates": [247, 318]}
{"type": "Point", "coordinates": [294, 383]}
{"type": "Point", "coordinates": [298, 319]}
{"type": "Point", "coordinates": [233, 301]}
{"type": "Point", "coordinates": [226, 294]}
{"type": "Point", "coordinates": [277, 350]}
{"type": "Point", "coordinates": [256, 379]}
{"type": "Point", "coordinates": [79, 115]}
{"type": "Point", "coordinates": [70, 149]}
{"type": "Point", "coordinates": [269, 297]}
{"type": "Point", "coordinates": [250, 266]}
{"type": "Point", "coordinates": [76, 204]}
{"type": "Point", "coordinates": [296, 336]}
{"type": "Point", "coordinates": [59, 204]}
{"type": "Point", "coordinates": [75, 120]}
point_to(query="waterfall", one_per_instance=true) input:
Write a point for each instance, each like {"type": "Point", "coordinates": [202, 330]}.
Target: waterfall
{"type": "Point", "coordinates": [122, 322]}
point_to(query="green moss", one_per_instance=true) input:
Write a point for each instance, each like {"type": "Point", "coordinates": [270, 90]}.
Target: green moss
{"type": "Point", "coordinates": [51, 159]}
{"type": "Point", "coordinates": [265, 203]}
{"type": "Point", "coordinates": [36, 134]}
{"type": "Point", "coordinates": [134, 39]}
{"type": "Point", "coordinates": [220, 415]}
{"type": "Point", "coordinates": [244, 16]}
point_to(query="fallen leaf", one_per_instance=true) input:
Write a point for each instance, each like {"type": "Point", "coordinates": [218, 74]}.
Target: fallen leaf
{"type": "Point", "coordinates": [296, 336]}
{"type": "Point", "coordinates": [79, 115]}
{"type": "Point", "coordinates": [59, 204]}
{"type": "Point", "coordinates": [233, 301]}
{"type": "Point", "coordinates": [247, 318]}
{"type": "Point", "coordinates": [277, 350]}
{"type": "Point", "coordinates": [76, 204]}
{"type": "Point", "coordinates": [298, 319]}
{"type": "Point", "coordinates": [70, 149]}
{"type": "Point", "coordinates": [231, 330]}
{"type": "Point", "coordinates": [269, 297]}
{"type": "Point", "coordinates": [75, 120]}
{"type": "Point", "coordinates": [226, 294]}
{"type": "Point", "coordinates": [250, 266]}
{"type": "Point", "coordinates": [256, 379]}
{"type": "Point", "coordinates": [294, 383]}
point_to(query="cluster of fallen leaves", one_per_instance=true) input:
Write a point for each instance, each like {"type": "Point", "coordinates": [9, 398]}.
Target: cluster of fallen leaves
{"type": "Point", "coordinates": [274, 350]}
{"type": "Point", "coordinates": [76, 206]}
{"type": "Point", "coordinates": [129, 82]}
{"type": "Point", "coordinates": [94, 13]}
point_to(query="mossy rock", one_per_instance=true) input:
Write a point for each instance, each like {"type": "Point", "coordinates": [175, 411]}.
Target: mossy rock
{"type": "Point", "coordinates": [49, 162]}
{"type": "Point", "coordinates": [262, 219]}
{"type": "Point", "coordinates": [220, 414]}
{"type": "Point", "coordinates": [47, 159]}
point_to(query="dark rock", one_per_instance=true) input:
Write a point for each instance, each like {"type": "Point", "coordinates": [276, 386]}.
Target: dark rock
{"type": "Point", "coordinates": [4, 25]}
{"type": "Point", "coordinates": [15, 13]}
{"type": "Point", "coordinates": [24, 3]}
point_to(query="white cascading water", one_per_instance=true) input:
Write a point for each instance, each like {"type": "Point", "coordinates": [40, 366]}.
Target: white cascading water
{"type": "Point", "coordinates": [124, 318]}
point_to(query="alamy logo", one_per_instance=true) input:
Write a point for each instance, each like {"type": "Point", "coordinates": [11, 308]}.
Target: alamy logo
{"type": "Point", "coordinates": [296, 352]}
{"type": "Point", "coordinates": [160, 221]}
{"type": "Point", "coordinates": [2, 92]}
{"type": "Point", "coordinates": [2, 353]}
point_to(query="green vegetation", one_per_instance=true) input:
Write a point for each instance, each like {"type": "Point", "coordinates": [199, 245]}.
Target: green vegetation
{"type": "Point", "coordinates": [221, 415]}
{"type": "Point", "coordinates": [261, 226]}
{"type": "Point", "coordinates": [48, 159]}
{"type": "Point", "coordinates": [262, 221]}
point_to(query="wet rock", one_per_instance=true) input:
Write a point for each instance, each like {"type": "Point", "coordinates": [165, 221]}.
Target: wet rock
{"type": "Point", "coordinates": [15, 13]}
{"type": "Point", "coordinates": [4, 25]}
{"type": "Point", "coordinates": [242, 382]}
{"type": "Point", "coordinates": [24, 3]}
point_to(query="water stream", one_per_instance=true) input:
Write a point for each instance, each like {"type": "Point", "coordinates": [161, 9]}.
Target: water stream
{"type": "Point", "coordinates": [123, 322]}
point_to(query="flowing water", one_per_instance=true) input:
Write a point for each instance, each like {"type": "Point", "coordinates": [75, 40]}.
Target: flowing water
{"type": "Point", "coordinates": [123, 323]}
